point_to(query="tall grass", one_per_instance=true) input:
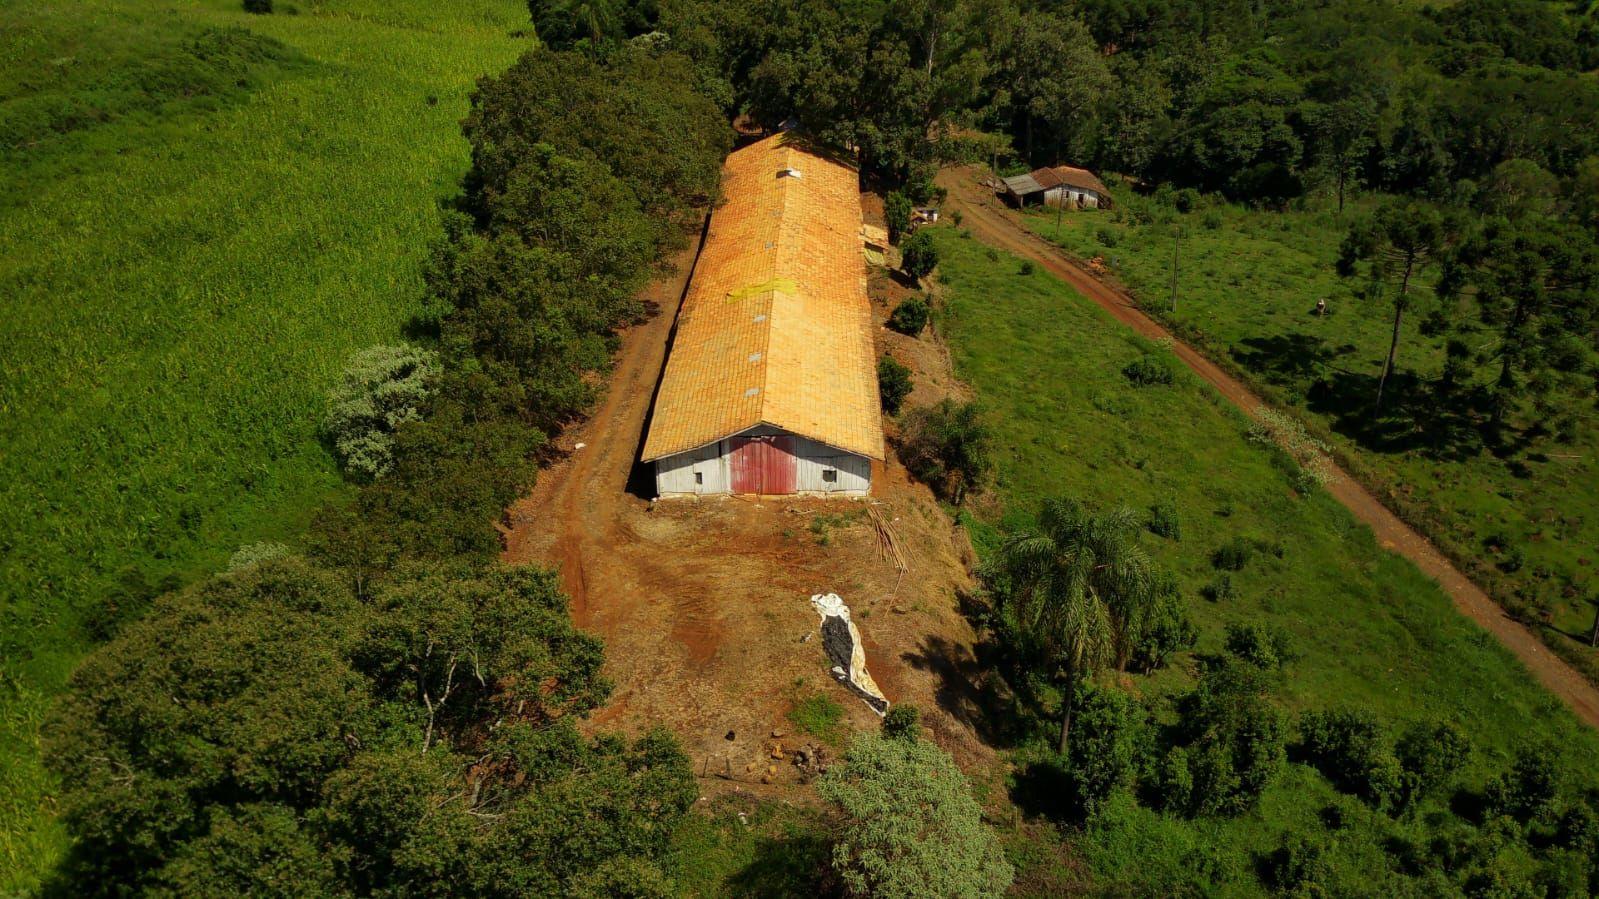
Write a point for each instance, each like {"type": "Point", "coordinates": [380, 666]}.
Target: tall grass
{"type": "Point", "coordinates": [1370, 629]}
{"type": "Point", "coordinates": [186, 262]}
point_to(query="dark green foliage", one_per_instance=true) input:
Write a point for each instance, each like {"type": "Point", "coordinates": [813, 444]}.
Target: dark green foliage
{"type": "Point", "coordinates": [1220, 590]}
{"type": "Point", "coordinates": [897, 214]}
{"type": "Point", "coordinates": [259, 7]}
{"type": "Point", "coordinates": [918, 255]}
{"type": "Point", "coordinates": [1430, 757]}
{"type": "Point", "coordinates": [267, 724]}
{"type": "Point", "coordinates": [903, 722]}
{"type": "Point", "coordinates": [1527, 791]}
{"type": "Point", "coordinates": [1299, 867]}
{"type": "Point", "coordinates": [1026, 268]}
{"type": "Point", "coordinates": [1260, 645]}
{"type": "Point", "coordinates": [382, 388]}
{"type": "Point", "coordinates": [1233, 555]}
{"type": "Point", "coordinates": [1166, 631]}
{"type": "Point", "coordinates": [947, 446]}
{"type": "Point", "coordinates": [1351, 748]}
{"type": "Point", "coordinates": [1148, 370]}
{"type": "Point", "coordinates": [910, 316]}
{"type": "Point", "coordinates": [1165, 521]}
{"type": "Point", "coordinates": [1103, 757]}
{"type": "Point", "coordinates": [1230, 747]}
{"type": "Point", "coordinates": [893, 383]}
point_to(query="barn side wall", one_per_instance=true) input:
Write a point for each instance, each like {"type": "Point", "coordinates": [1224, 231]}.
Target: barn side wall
{"type": "Point", "coordinates": [852, 474]}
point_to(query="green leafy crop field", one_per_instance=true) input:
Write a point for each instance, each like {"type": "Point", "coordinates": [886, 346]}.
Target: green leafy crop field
{"type": "Point", "coordinates": [1370, 630]}
{"type": "Point", "coordinates": [202, 214]}
{"type": "Point", "coordinates": [1524, 523]}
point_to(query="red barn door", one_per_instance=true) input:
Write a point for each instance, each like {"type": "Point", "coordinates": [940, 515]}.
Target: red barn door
{"type": "Point", "coordinates": [762, 464]}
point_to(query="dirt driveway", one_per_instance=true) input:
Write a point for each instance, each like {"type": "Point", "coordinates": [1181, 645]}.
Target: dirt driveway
{"type": "Point", "coordinates": [994, 224]}
{"type": "Point", "coordinates": [705, 606]}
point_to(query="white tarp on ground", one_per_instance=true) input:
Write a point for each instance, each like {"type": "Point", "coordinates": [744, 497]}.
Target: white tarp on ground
{"type": "Point", "coordinates": [842, 643]}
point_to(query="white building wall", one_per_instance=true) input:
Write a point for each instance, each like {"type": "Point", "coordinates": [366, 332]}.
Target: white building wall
{"type": "Point", "coordinates": [820, 470]}
{"type": "Point", "coordinates": [1072, 196]}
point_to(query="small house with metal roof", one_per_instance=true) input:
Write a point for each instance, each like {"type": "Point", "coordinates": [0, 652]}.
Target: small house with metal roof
{"type": "Point", "coordinates": [1059, 185]}
{"type": "Point", "coordinates": [770, 385]}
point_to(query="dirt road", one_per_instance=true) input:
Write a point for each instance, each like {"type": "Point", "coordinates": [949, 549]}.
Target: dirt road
{"type": "Point", "coordinates": [994, 224]}
{"type": "Point", "coordinates": [705, 606]}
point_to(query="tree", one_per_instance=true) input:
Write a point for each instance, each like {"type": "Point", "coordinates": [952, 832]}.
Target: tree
{"type": "Point", "coordinates": [1231, 741]}
{"type": "Point", "coordinates": [909, 826]}
{"type": "Point", "coordinates": [897, 215]}
{"type": "Point", "coordinates": [1343, 135]}
{"type": "Point", "coordinates": [1078, 588]}
{"type": "Point", "coordinates": [1537, 288]}
{"type": "Point", "coordinates": [918, 255]}
{"type": "Point", "coordinates": [947, 446]}
{"type": "Point", "coordinates": [1401, 239]}
{"type": "Point", "coordinates": [893, 383]}
{"type": "Point", "coordinates": [381, 388]}
{"type": "Point", "coordinates": [910, 316]}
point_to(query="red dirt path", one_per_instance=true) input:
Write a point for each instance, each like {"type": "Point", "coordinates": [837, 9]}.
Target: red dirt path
{"type": "Point", "coordinates": [996, 225]}
{"type": "Point", "coordinates": [705, 606]}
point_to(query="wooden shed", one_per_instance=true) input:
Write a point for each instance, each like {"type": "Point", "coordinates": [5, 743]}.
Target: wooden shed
{"type": "Point", "coordinates": [1059, 185]}
{"type": "Point", "coordinates": [771, 383]}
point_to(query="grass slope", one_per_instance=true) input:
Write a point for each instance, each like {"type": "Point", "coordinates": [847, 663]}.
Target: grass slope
{"type": "Point", "coordinates": [198, 225]}
{"type": "Point", "coordinates": [1373, 632]}
{"type": "Point", "coordinates": [1248, 284]}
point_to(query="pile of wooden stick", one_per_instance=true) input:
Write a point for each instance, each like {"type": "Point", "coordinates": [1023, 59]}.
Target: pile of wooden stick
{"type": "Point", "coordinates": [888, 546]}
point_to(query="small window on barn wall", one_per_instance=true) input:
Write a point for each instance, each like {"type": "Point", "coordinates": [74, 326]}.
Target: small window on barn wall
{"type": "Point", "coordinates": [788, 173]}
{"type": "Point", "coordinates": [699, 478]}
{"type": "Point", "coordinates": [830, 475]}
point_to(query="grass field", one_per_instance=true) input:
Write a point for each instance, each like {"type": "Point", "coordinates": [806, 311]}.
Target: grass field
{"type": "Point", "coordinates": [197, 226]}
{"type": "Point", "coordinates": [1524, 524]}
{"type": "Point", "coordinates": [1372, 632]}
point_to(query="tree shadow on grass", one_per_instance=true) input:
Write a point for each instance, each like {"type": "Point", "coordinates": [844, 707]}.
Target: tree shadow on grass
{"type": "Point", "coordinates": [794, 864]}
{"type": "Point", "coordinates": [1042, 789]}
{"type": "Point", "coordinates": [968, 690]}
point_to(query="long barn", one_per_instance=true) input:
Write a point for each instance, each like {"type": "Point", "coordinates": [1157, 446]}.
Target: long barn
{"type": "Point", "coordinates": [771, 386]}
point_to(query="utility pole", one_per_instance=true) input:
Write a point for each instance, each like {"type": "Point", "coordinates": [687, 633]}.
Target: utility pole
{"type": "Point", "coordinates": [1176, 246]}
{"type": "Point", "coordinates": [1060, 204]}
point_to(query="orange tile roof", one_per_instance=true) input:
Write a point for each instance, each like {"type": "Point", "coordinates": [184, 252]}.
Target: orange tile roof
{"type": "Point", "coordinates": [776, 328]}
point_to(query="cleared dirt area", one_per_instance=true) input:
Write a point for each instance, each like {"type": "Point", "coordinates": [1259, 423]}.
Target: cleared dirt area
{"type": "Point", "coordinates": [991, 222]}
{"type": "Point", "coordinates": [705, 605]}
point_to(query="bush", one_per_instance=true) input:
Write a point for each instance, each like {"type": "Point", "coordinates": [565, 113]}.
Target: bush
{"type": "Point", "coordinates": [1164, 521]}
{"type": "Point", "coordinates": [893, 383]}
{"type": "Point", "coordinates": [259, 7]}
{"type": "Point", "coordinates": [918, 255]}
{"type": "Point", "coordinates": [1103, 754]}
{"type": "Point", "coordinates": [1108, 238]}
{"type": "Point", "coordinates": [1299, 867]}
{"type": "Point", "coordinates": [382, 388]}
{"type": "Point", "coordinates": [1264, 647]}
{"type": "Point", "coordinates": [1233, 555]}
{"type": "Point", "coordinates": [947, 446]}
{"type": "Point", "coordinates": [1527, 791]}
{"type": "Point", "coordinates": [1350, 747]}
{"type": "Point", "coordinates": [1231, 739]}
{"type": "Point", "coordinates": [255, 554]}
{"type": "Point", "coordinates": [1165, 632]}
{"type": "Point", "coordinates": [1219, 590]}
{"type": "Point", "coordinates": [910, 316]}
{"type": "Point", "coordinates": [1148, 370]}
{"type": "Point", "coordinates": [902, 722]}
{"type": "Point", "coordinates": [897, 215]}
{"type": "Point", "coordinates": [1430, 755]}
{"type": "Point", "coordinates": [1187, 200]}
{"type": "Point", "coordinates": [908, 825]}
{"type": "Point", "coordinates": [1026, 268]}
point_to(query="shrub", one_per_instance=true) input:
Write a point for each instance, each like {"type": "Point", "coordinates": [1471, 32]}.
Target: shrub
{"type": "Point", "coordinates": [1108, 238]}
{"type": "Point", "coordinates": [1026, 268]}
{"type": "Point", "coordinates": [897, 215]}
{"type": "Point", "coordinates": [991, 254]}
{"type": "Point", "coordinates": [1187, 200]}
{"type": "Point", "coordinates": [908, 825]}
{"type": "Point", "coordinates": [1233, 555]}
{"type": "Point", "coordinates": [1264, 647]}
{"type": "Point", "coordinates": [947, 446]}
{"type": "Point", "coordinates": [893, 383]}
{"type": "Point", "coordinates": [902, 722]}
{"type": "Point", "coordinates": [1164, 521]}
{"type": "Point", "coordinates": [1166, 631]}
{"type": "Point", "coordinates": [259, 7]}
{"type": "Point", "coordinates": [1299, 867]}
{"type": "Point", "coordinates": [1527, 791]}
{"type": "Point", "coordinates": [910, 316]}
{"type": "Point", "coordinates": [1220, 590]}
{"type": "Point", "coordinates": [1232, 739]}
{"type": "Point", "coordinates": [1350, 747]}
{"type": "Point", "coordinates": [382, 388]}
{"type": "Point", "coordinates": [958, 218]}
{"type": "Point", "coordinates": [918, 255]}
{"type": "Point", "coordinates": [1148, 370]}
{"type": "Point", "coordinates": [1103, 754]}
{"type": "Point", "coordinates": [1430, 755]}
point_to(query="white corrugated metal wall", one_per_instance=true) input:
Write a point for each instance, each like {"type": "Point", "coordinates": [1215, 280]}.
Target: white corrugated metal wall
{"type": "Point", "coordinates": [820, 469]}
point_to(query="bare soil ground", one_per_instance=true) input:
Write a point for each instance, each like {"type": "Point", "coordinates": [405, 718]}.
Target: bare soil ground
{"type": "Point", "coordinates": [991, 222]}
{"type": "Point", "coordinates": [705, 605]}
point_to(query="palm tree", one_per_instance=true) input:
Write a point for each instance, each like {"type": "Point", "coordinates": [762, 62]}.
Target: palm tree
{"type": "Point", "coordinates": [1079, 587]}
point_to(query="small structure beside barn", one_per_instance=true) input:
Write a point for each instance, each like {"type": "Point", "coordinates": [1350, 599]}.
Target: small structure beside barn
{"type": "Point", "coordinates": [771, 383]}
{"type": "Point", "coordinates": [1058, 185]}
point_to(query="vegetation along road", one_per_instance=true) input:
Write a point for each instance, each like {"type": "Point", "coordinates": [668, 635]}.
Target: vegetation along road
{"type": "Point", "coordinates": [993, 224]}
